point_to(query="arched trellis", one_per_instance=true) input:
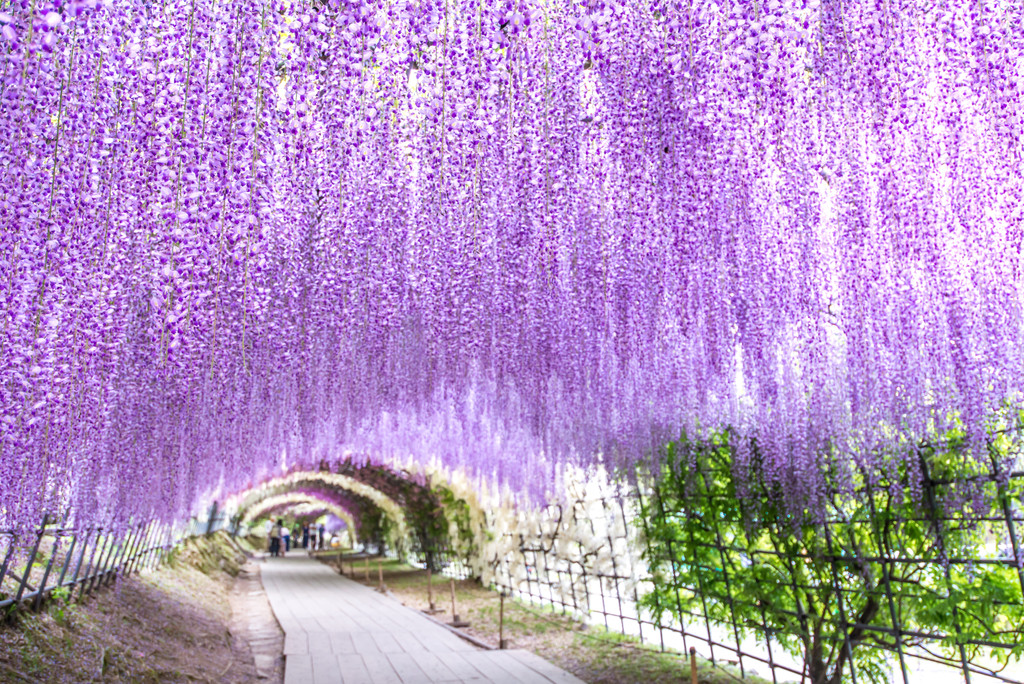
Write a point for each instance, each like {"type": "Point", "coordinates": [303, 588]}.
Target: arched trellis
{"type": "Point", "coordinates": [355, 504]}
{"type": "Point", "coordinates": [273, 502]}
{"type": "Point", "coordinates": [275, 486]}
{"type": "Point", "coordinates": [425, 513]}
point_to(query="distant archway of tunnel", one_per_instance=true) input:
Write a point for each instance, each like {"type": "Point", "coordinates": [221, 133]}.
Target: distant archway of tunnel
{"type": "Point", "coordinates": [272, 504]}
{"type": "Point", "coordinates": [385, 506]}
{"type": "Point", "coordinates": [343, 486]}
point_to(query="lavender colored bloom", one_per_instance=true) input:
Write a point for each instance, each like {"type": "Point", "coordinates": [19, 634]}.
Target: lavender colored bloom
{"type": "Point", "coordinates": [245, 237]}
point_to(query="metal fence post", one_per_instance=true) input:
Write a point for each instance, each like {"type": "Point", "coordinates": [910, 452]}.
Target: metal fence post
{"type": "Point", "coordinates": [675, 577]}
{"type": "Point", "coordinates": [81, 558]}
{"type": "Point", "coordinates": [725, 576]}
{"type": "Point", "coordinates": [211, 522]}
{"type": "Point", "coordinates": [67, 559]}
{"type": "Point", "coordinates": [31, 559]}
{"type": "Point", "coordinates": [608, 513]}
{"type": "Point", "coordinates": [700, 578]}
{"type": "Point", "coordinates": [842, 608]}
{"type": "Point", "coordinates": [140, 549]}
{"type": "Point", "coordinates": [96, 564]}
{"type": "Point", "coordinates": [7, 557]}
{"type": "Point", "coordinates": [46, 573]}
{"type": "Point", "coordinates": [636, 594]}
{"type": "Point", "coordinates": [1011, 528]}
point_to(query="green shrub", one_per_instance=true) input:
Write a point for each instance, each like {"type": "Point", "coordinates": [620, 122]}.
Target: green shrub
{"type": "Point", "coordinates": [885, 565]}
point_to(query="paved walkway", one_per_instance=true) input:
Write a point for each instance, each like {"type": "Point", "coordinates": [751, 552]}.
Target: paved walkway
{"type": "Point", "coordinates": [339, 632]}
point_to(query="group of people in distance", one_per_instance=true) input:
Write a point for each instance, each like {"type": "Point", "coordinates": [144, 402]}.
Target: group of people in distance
{"type": "Point", "coordinates": [278, 535]}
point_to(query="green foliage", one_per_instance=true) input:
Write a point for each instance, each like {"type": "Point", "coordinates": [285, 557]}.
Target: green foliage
{"type": "Point", "coordinates": [374, 527]}
{"type": "Point", "coordinates": [881, 565]}
{"type": "Point", "coordinates": [424, 514]}
{"type": "Point", "coordinates": [457, 510]}
{"type": "Point", "coordinates": [41, 560]}
{"type": "Point", "coordinates": [60, 596]}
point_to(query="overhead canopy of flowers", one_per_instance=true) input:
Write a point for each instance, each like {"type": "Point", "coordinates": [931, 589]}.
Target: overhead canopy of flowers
{"type": "Point", "coordinates": [241, 235]}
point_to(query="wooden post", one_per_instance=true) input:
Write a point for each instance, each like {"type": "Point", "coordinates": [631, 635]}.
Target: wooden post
{"type": "Point", "coordinates": [129, 552]}
{"type": "Point", "coordinates": [114, 560]}
{"type": "Point", "coordinates": [501, 623]}
{"type": "Point", "coordinates": [456, 620]}
{"type": "Point", "coordinates": [433, 609]}
{"type": "Point", "coordinates": [367, 569]}
{"type": "Point", "coordinates": [166, 547]}
{"type": "Point", "coordinates": [693, 665]}
{"type": "Point", "coordinates": [380, 577]}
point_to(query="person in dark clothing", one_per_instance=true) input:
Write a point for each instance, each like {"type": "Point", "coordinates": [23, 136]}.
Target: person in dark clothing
{"type": "Point", "coordinates": [275, 539]}
{"type": "Point", "coordinates": [320, 536]}
{"type": "Point", "coordinates": [305, 537]}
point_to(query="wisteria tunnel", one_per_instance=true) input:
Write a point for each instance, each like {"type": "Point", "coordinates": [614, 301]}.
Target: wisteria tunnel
{"type": "Point", "coordinates": [699, 322]}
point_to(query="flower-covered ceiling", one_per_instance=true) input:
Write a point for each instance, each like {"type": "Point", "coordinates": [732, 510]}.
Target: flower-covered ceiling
{"type": "Point", "coordinates": [244, 236]}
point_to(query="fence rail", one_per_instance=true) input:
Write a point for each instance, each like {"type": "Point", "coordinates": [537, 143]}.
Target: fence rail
{"type": "Point", "coordinates": [69, 562]}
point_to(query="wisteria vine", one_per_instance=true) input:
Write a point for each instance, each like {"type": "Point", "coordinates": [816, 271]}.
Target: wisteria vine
{"type": "Point", "coordinates": [245, 236]}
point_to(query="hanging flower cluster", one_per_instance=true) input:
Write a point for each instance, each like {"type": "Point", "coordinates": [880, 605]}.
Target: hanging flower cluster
{"type": "Point", "coordinates": [241, 235]}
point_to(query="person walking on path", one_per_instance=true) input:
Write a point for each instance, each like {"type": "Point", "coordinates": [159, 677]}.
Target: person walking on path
{"type": "Point", "coordinates": [275, 539]}
{"type": "Point", "coordinates": [320, 536]}
{"type": "Point", "coordinates": [286, 534]}
{"type": "Point", "coordinates": [305, 537]}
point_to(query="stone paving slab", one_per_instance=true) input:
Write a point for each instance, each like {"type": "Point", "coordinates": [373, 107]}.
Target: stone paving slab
{"type": "Point", "coordinates": [340, 632]}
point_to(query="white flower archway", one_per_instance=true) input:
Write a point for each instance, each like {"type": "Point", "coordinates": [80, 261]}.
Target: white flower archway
{"type": "Point", "coordinates": [298, 499]}
{"type": "Point", "coordinates": [391, 508]}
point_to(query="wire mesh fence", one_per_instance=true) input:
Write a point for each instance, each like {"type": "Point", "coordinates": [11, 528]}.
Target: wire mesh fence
{"type": "Point", "coordinates": [909, 570]}
{"type": "Point", "coordinates": [899, 567]}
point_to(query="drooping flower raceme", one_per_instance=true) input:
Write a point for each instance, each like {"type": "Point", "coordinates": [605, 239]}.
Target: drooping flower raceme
{"type": "Point", "coordinates": [246, 235]}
